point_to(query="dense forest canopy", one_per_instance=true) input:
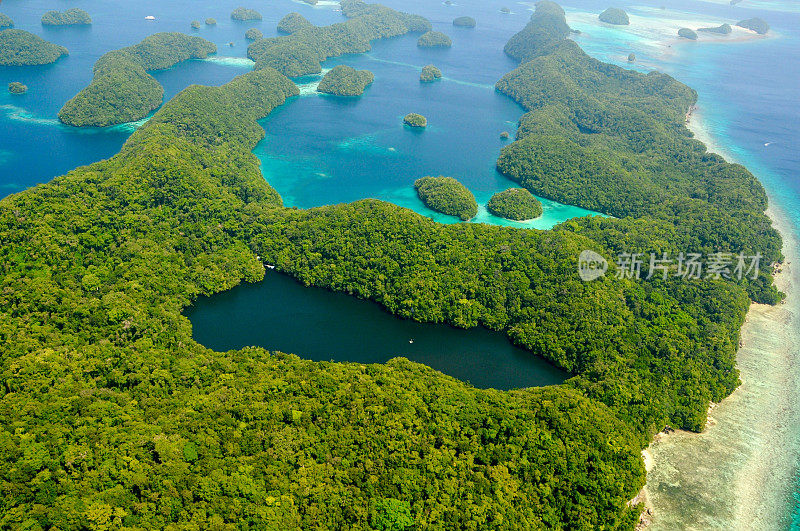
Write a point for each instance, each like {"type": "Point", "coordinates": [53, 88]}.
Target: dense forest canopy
{"type": "Point", "coordinates": [70, 17]}
{"type": "Point", "coordinates": [448, 196]}
{"type": "Point", "coordinates": [293, 22]}
{"type": "Point", "coordinates": [5, 21]}
{"type": "Point", "coordinates": [244, 14]}
{"type": "Point", "coordinates": [343, 80]}
{"type": "Point", "coordinates": [724, 29]}
{"type": "Point", "coordinates": [615, 15]}
{"type": "Point", "coordinates": [413, 119]}
{"type": "Point", "coordinates": [756, 24]}
{"type": "Point", "coordinates": [302, 52]}
{"type": "Point", "coordinates": [434, 39]}
{"type": "Point", "coordinates": [687, 33]}
{"type": "Point", "coordinates": [22, 48]}
{"type": "Point", "coordinates": [464, 22]}
{"type": "Point", "coordinates": [122, 90]}
{"type": "Point", "coordinates": [515, 203]}
{"type": "Point", "coordinates": [15, 87]}
{"type": "Point", "coordinates": [430, 73]}
{"type": "Point", "coordinates": [112, 416]}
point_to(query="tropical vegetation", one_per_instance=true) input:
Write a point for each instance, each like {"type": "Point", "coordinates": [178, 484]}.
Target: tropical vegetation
{"type": "Point", "coordinates": [22, 48]}
{"type": "Point", "coordinates": [687, 33]}
{"type": "Point", "coordinates": [413, 119]}
{"type": "Point", "coordinates": [70, 17]}
{"type": "Point", "coordinates": [434, 39]}
{"type": "Point", "coordinates": [615, 15]}
{"type": "Point", "coordinates": [448, 196]}
{"type": "Point", "coordinates": [517, 204]}
{"type": "Point", "coordinates": [244, 14]}
{"type": "Point", "coordinates": [15, 87]}
{"type": "Point", "coordinates": [756, 24]}
{"type": "Point", "coordinates": [430, 73]}
{"type": "Point", "coordinates": [5, 21]}
{"type": "Point", "coordinates": [121, 89]}
{"type": "Point", "coordinates": [724, 29]}
{"type": "Point", "coordinates": [253, 34]}
{"type": "Point", "coordinates": [343, 80]}
{"type": "Point", "coordinates": [293, 22]}
{"type": "Point", "coordinates": [464, 22]}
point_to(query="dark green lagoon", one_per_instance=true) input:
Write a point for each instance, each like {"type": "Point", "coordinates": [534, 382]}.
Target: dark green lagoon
{"type": "Point", "coordinates": [281, 314]}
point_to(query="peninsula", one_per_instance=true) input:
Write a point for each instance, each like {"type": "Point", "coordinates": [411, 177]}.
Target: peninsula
{"type": "Point", "coordinates": [448, 196]}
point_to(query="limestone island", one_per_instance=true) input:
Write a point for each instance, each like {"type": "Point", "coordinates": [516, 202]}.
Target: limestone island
{"type": "Point", "coordinates": [504, 135]}
{"type": "Point", "coordinates": [311, 2]}
{"type": "Point", "coordinates": [724, 29]}
{"type": "Point", "coordinates": [253, 34]}
{"type": "Point", "coordinates": [759, 25]}
{"type": "Point", "coordinates": [121, 89]}
{"type": "Point", "coordinates": [343, 80]}
{"type": "Point", "coordinates": [631, 57]}
{"type": "Point", "coordinates": [211, 21]}
{"type": "Point", "coordinates": [21, 48]}
{"type": "Point", "coordinates": [15, 87]}
{"type": "Point", "coordinates": [415, 120]}
{"type": "Point", "coordinates": [434, 39]}
{"type": "Point", "coordinates": [196, 24]}
{"type": "Point", "coordinates": [505, 10]}
{"type": "Point", "coordinates": [686, 33]}
{"type": "Point", "coordinates": [70, 17]}
{"type": "Point", "coordinates": [448, 196]}
{"type": "Point", "coordinates": [464, 22]}
{"type": "Point", "coordinates": [516, 204]}
{"type": "Point", "coordinates": [5, 21]}
{"type": "Point", "coordinates": [616, 16]}
{"type": "Point", "coordinates": [293, 22]}
{"type": "Point", "coordinates": [429, 74]}
{"type": "Point", "coordinates": [244, 14]}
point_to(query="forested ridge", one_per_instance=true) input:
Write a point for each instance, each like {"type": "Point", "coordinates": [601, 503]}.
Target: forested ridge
{"type": "Point", "coordinates": [112, 416]}
{"type": "Point", "coordinates": [121, 89]}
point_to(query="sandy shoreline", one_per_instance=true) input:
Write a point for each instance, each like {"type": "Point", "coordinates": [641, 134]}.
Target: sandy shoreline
{"type": "Point", "coordinates": [740, 472]}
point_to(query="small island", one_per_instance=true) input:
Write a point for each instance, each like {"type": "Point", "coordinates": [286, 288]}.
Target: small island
{"type": "Point", "coordinates": [448, 196]}
{"type": "Point", "coordinates": [343, 80]}
{"type": "Point", "coordinates": [724, 29]}
{"type": "Point", "coordinates": [434, 39]}
{"type": "Point", "coordinates": [464, 22]}
{"type": "Point", "coordinates": [311, 2]}
{"type": "Point", "coordinates": [415, 120]}
{"type": "Point", "coordinates": [756, 24]}
{"type": "Point", "coordinates": [211, 21]}
{"type": "Point", "coordinates": [70, 17]}
{"type": "Point", "coordinates": [505, 10]}
{"type": "Point", "coordinates": [429, 74]}
{"type": "Point", "coordinates": [244, 14]}
{"type": "Point", "coordinates": [504, 135]}
{"type": "Point", "coordinates": [253, 34]}
{"type": "Point", "coordinates": [516, 204]}
{"type": "Point", "coordinates": [5, 21]}
{"type": "Point", "coordinates": [293, 22]}
{"type": "Point", "coordinates": [686, 33]}
{"type": "Point", "coordinates": [631, 57]}
{"type": "Point", "coordinates": [21, 48]}
{"type": "Point", "coordinates": [15, 87]}
{"type": "Point", "coordinates": [196, 24]}
{"type": "Point", "coordinates": [616, 16]}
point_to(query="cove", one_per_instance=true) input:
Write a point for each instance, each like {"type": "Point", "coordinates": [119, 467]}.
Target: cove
{"type": "Point", "coordinates": [280, 314]}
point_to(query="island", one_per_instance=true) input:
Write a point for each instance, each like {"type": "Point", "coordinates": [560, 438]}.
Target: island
{"type": "Point", "coordinates": [196, 24]}
{"type": "Point", "coordinates": [616, 16]}
{"type": "Point", "coordinates": [21, 48]}
{"type": "Point", "coordinates": [724, 29]}
{"type": "Point", "coordinates": [415, 120]}
{"type": "Point", "coordinates": [243, 14]}
{"type": "Point", "coordinates": [15, 87]}
{"type": "Point", "coordinates": [121, 89]}
{"type": "Point", "coordinates": [253, 34]}
{"type": "Point", "coordinates": [464, 22]}
{"type": "Point", "coordinates": [211, 21]}
{"type": "Point", "coordinates": [631, 57]}
{"type": "Point", "coordinates": [5, 22]}
{"type": "Point", "coordinates": [448, 196]}
{"type": "Point", "coordinates": [70, 17]}
{"type": "Point", "coordinates": [516, 204]}
{"type": "Point", "coordinates": [756, 24]}
{"type": "Point", "coordinates": [343, 80]}
{"type": "Point", "coordinates": [302, 52]}
{"type": "Point", "coordinates": [101, 262]}
{"type": "Point", "coordinates": [429, 74]}
{"type": "Point", "coordinates": [293, 22]}
{"type": "Point", "coordinates": [434, 39]}
{"type": "Point", "coordinates": [311, 2]}
{"type": "Point", "coordinates": [505, 135]}
{"type": "Point", "coordinates": [505, 10]}
{"type": "Point", "coordinates": [687, 33]}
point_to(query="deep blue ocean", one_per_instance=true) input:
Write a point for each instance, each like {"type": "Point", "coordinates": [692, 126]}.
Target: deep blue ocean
{"type": "Point", "coordinates": [321, 150]}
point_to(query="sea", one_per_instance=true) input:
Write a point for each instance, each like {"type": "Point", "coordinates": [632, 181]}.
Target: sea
{"type": "Point", "coordinates": [322, 150]}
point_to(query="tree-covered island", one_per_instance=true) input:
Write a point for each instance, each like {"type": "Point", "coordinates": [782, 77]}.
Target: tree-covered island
{"type": "Point", "coordinates": [724, 29]}
{"type": "Point", "coordinates": [464, 22]}
{"type": "Point", "coordinates": [70, 17]}
{"type": "Point", "coordinates": [21, 48]}
{"type": "Point", "coordinates": [15, 87]}
{"type": "Point", "coordinates": [516, 204]}
{"type": "Point", "coordinates": [616, 16]}
{"type": "Point", "coordinates": [5, 22]}
{"type": "Point", "coordinates": [429, 74]}
{"type": "Point", "coordinates": [293, 22]}
{"type": "Point", "coordinates": [211, 21]}
{"type": "Point", "coordinates": [415, 120]}
{"type": "Point", "coordinates": [687, 33]}
{"type": "Point", "coordinates": [253, 34]}
{"type": "Point", "coordinates": [756, 24]}
{"type": "Point", "coordinates": [448, 196]}
{"type": "Point", "coordinates": [434, 39]}
{"type": "Point", "coordinates": [343, 80]}
{"type": "Point", "coordinates": [121, 89]}
{"type": "Point", "coordinates": [244, 14]}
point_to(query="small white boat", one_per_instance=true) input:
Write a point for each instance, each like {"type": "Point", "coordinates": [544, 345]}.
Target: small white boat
{"type": "Point", "coordinates": [269, 266]}
{"type": "Point", "coordinates": [410, 340]}
{"type": "Point", "coordinates": [149, 17]}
